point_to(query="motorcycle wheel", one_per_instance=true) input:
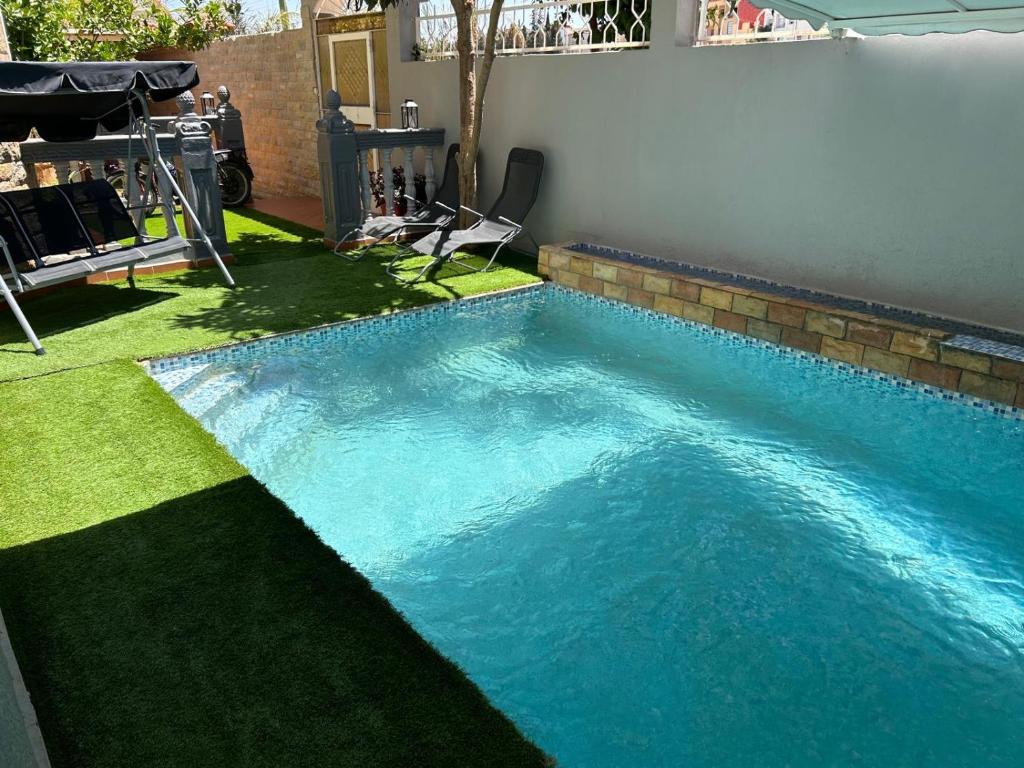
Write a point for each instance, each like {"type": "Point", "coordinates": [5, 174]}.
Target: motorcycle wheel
{"type": "Point", "coordinates": [235, 185]}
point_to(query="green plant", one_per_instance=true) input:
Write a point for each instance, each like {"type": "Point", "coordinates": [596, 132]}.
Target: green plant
{"type": "Point", "coordinates": [107, 30]}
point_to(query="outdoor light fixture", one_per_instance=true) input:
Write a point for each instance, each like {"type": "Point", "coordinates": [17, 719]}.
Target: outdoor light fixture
{"type": "Point", "coordinates": [410, 114]}
{"type": "Point", "coordinates": [207, 101]}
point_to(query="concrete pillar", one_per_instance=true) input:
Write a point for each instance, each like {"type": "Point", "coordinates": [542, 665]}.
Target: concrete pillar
{"type": "Point", "coordinates": [199, 184]}
{"type": "Point", "coordinates": [339, 170]}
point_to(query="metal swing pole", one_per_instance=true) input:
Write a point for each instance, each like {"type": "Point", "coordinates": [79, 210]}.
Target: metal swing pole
{"type": "Point", "coordinates": [157, 162]}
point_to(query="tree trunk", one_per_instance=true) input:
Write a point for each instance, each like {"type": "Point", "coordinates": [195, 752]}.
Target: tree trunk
{"type": "Point", "coordinates": [465, 44]}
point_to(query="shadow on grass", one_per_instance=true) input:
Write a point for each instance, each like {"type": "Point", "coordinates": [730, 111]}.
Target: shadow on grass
{"type": "Point", "coordinates": [77, 306]}
{"type": "Point", "coordinates": [217, 630]}
{"type": "Point", "coordinates": [301, 291]}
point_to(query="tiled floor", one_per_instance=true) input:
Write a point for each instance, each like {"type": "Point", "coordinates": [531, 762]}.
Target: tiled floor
{"type": "Point", "coordinates": [307, 211]}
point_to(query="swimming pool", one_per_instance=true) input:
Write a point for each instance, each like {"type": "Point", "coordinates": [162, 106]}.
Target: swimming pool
{"type": "Point", "coordinates": [653, 543]}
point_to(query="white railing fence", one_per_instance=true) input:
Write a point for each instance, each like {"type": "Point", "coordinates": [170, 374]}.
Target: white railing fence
{"type": "Point", "coordinates": [543, 26]}
{"type": "Point", "coordinates": [733, 23]}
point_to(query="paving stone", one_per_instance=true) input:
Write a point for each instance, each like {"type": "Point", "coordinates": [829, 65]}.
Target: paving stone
{"type": "Point", "coordinates": [668, 305]}
{"type": "Point", "coordinates": [935, 374]}
{"type": "Point", "coordinates": [760, 329]}
{"type": "Point", "coordinates": [868, 334]}
{"type": "Point", "coordinates": [606, 272]}
{"type": "Point", "coordinates": [715, 297]}
{"type": "Point", "coordinates": [846, 351]}
{"type": "Point", "coordinates": [687, 291]}
{"type": "Point", "coordinates": [1008, 369]}
{"type": "Point", "coordinates": [988, 387]}
{"type": "Point", "coordinates": [886, 362]}
{"type": "Point", "coordinates": [801, 339]}
{"type": "Point", "coordinates": [914, 345]}
{"type": "Point", "coordinates": [614, 291]}
{"type": "Point", "coordinates": [641, 298]}
{"type": "Point", "coordinates": [699, 313]}
{"type": "Point", "coordinates": [730, 321]}
{"type": "Point", "coordinates": [749, 306]}
{"type": "Point", "coordinates": [826, 325]}
{"type": "Point", "coordinates": [785, 314]}
{"type": "Point", "coordinates": [970, 361]}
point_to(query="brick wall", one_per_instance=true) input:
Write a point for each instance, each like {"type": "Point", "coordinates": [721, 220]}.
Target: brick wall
{"type": "Point", "coordinates": [272, 79]}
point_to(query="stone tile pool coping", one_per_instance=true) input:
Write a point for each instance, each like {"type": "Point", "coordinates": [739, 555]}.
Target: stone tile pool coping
{"type": "Point", "coordinates": [27, 724]}
{"type": "Point", "coordinates": [968, 361]}
{"type": "Point", "coordinates": [312, 338]}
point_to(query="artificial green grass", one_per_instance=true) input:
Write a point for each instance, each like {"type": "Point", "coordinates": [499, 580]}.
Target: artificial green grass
{"type": "Point", "coordinates": [166, 609]}
{"type": "Point", "coordinates": [286, 280]}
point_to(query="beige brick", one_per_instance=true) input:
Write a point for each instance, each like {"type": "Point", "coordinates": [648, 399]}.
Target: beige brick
{"type": "Point", "coordinates": [764, 330]}
{"type": "Point", "coordinates": [801, 339]}
{"type": "Point", "coordinates": [988, 387]}
{"type": "Point", "coordinates": [592, 285]}
{"type": "Point", "coordinates": [914, 345]}
{"type": "Point", "coordinates": [559, 260]}
{"type": "Point", "coordinates": [615, 291]}
{"type": "Point", "coordinates": [785, 314]}
{"type": "Point", "coordinates": [668, 305]}
{"type": "Point", "coordinates": [886, 362]}
{"type": "Point", "coordinates": [932, 373]}
{"type": "Point", "coordinates": [640, 297]}
{"type": "Point", "coordinates": [730, 321]}
{"type": "Point", "coordinates": [570, 279]}
{"type": "Point", "coordinates": [582, 266]}
{"type": "Point", "coordinates": [715, 297]}
{"type": "Point", "coordinates": [606, 272]}
{"type": "Point", "coordinates": [630, 278]}
{"type": "Point", "coordinates": [1020, 396]}
{"type": "Point", "coordinates": [699, 313]}
{"type": "Point", "coordinates": [542, 257]}
{"type": "Point", "coordinates": [657, 284]}
{"type": "Point", "coordinates": [868, 334]}
{"type": "Point", "coordinates": [826, 325]}
{"type": "Point", "coordinates": [686, 291]}
{"type": "Point", "coordinates": [1008, 369]}
{"type": "Point", "coordinates": [962, 359]}
{"type": "Point", "coordinates": [749, 306]}
{"type": "Point", "coordinates": [846, 351]}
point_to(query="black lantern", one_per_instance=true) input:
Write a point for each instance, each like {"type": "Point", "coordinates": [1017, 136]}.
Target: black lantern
{"type": "Point", "coordinates": [207, 101]}
{"type": "Point", "coordinates": [410, 115]}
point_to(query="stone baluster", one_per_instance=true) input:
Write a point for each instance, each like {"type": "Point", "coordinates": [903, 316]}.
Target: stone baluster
{"type": "Point", "coordinates": [364, 178]}
{"type": "Point", "coordinates": [431, 182]}
{"type": "Point", "coordinates": [339, 171]}
{"type": "Point", "coordinates": [199, 171]}
{"type": "Point", "coordinates": [410, 183]}
{"type": "Point", "coordinates": [389, 183]}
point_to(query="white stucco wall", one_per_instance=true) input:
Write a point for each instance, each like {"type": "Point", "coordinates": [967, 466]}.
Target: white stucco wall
{"type": "Point", "coordinates": [890, 169]}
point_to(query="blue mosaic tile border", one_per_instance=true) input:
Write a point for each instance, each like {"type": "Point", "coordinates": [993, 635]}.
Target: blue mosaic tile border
{"type": "Point", "coordinates": [844, 369]}
{"type": "Point", "coordinates": [185, 366]}
{"type": "Point", "coordinates": [986, 347]}
{"type": "Point", "coordinates": [886, 311]}
{"type": "Point", "coordinates": [312, 338]}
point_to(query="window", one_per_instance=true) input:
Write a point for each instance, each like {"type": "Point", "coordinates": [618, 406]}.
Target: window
{"type": "Point", "coordinates": [541, 26]}
{"type": "Point", "coordinates": [735, 22]}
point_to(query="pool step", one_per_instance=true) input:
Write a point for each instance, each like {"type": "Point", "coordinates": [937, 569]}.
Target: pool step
{"type": "Point", "coordinates": [986, 347]}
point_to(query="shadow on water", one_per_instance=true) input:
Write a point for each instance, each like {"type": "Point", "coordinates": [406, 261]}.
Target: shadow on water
{"type": "Point", "coordinates": [216, 630]}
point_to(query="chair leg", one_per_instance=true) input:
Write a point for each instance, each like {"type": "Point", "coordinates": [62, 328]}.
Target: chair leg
{"type": "Point", "coordinates": [5, 292]}
{"type": "Point", "coordinates": [486, 266]}
{"type": "Point", "coordinates": [131, 275]}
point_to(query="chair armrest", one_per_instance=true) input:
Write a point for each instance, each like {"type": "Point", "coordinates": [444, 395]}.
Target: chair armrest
{"type": "Point", "coordinates": [450, 210]}
{"type": "Point", "coordinates": [515, 224]}
{"type": "Point", "coordinates": [475, 213]}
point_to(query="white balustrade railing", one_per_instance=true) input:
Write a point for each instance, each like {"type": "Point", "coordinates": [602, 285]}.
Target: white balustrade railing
{"type": "Point", "coordinates": [377, 168]}
{"type": "Point", "coordinates": [543, 26]}
{"type": "Point", "coordinates": [726, 23]}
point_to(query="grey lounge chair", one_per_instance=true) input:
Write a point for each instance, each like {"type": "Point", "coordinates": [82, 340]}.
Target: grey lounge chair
{"type": "Point", "coordinates": [501, 225]}
{"type": "Point", "coordinates": [438, 213]}
{"type": "Point", "coordinates": [55, 234]}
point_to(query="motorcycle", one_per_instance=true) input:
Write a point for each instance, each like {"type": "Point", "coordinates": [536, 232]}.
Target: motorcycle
{"type": "Point", "coordinates": [234, 174]}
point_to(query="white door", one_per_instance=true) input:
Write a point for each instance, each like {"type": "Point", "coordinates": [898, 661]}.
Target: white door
{"type": "Point", "coordinates": [352, 76]}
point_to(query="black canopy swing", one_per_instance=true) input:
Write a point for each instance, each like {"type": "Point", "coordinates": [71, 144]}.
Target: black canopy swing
{"type": "Point", "coordinates": [51, 235]}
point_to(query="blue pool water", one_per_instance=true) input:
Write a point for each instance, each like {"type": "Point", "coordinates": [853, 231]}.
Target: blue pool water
{"type": "Point", "coordinates": [654, 545]}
